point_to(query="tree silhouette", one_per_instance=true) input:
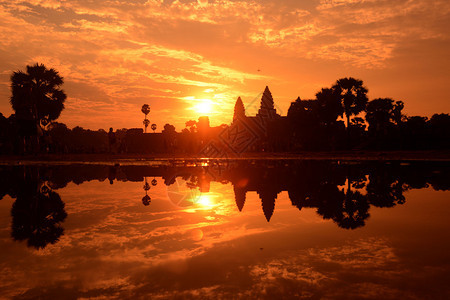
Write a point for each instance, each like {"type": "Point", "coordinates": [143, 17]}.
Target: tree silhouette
{"type": "Point", "coordinates": [440, 130]}
{"type": "Point", "coordinates": [37, 94]}
{"type": "Point", "coordinates": [353, 97]}
{"type": "Point", "coordinates": [397, 116]}
{"type": "Point", "coordinates": [354, 211]}
{"type": "Point", "coordinates": [4, 134]}
{"type": "Point", "coordinates": [348, 210]}
{"type": "Point", "coordinates": [381, 113]}
{"type": "Point", "coordinates": [329, 106]}
{"type": "Point", "coordinates": [304, 122]}
{"type": "Point", "coordinates": [385, 187]}
{"type": "Point", "coordinates": [145, 110]}
{"type": "Point", "coordinates": [146, 122]}
{"type": "Point", "coordinates": [146, 200]}
{"type": "Point", "coordinates": [192, 125]}
{"type": "Point", "coordinates": [37, 215]}
{"type": "Point", "coordinates": [169, 137]}
{"type": "Point", "coordinates": [169, 129]}
{"type": "Point", "coordinates": [416, 132]}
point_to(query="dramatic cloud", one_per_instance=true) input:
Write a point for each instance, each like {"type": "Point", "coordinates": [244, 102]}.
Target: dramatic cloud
{"type": "Point", "coordinates": [117, 55]}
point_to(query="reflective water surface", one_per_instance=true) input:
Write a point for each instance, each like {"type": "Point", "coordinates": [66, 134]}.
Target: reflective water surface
{"type": "Point", "coordinates": [245, 229]}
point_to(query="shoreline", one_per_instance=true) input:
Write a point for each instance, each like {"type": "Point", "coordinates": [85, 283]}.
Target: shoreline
{"type": "Point", "coordinates": [306, 155]}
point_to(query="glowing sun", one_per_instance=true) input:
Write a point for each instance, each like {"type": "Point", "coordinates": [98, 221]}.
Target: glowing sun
{"type": "Point", "coordinates": [203, 107]}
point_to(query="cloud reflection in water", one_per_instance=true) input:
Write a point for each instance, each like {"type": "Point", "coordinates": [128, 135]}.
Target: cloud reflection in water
{"type": "Point", "coordinates": [222, 245]}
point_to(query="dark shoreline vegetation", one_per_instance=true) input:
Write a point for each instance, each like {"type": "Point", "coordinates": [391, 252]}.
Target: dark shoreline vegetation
{"type": "Point", "coordinates": [340, 118]}
{"type": "Point", "coordinates": [75, 158]}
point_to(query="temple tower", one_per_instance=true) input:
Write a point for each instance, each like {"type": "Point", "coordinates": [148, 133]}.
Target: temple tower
{"type": "Point", "coordinates": [239, 110]}
{"type": "Point", "coordinates": [267, 109]}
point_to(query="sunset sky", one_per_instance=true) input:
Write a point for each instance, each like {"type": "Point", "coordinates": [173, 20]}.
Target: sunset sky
{"type": "Point", "coordinates": [177, 55]}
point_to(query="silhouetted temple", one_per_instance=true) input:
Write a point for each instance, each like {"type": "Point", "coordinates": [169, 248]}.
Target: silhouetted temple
{"type": "Point", "coordinates": [332, 121]}
{"type": "Point", "coordinates": [259, 124]}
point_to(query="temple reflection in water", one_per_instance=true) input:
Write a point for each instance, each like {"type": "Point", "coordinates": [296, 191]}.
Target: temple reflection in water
{"type": "Point", "coordinates": [341, 192]}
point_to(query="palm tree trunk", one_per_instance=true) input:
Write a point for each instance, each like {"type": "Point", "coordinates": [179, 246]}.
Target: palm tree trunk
{"type": "Point", "coordinates": [348, 131]}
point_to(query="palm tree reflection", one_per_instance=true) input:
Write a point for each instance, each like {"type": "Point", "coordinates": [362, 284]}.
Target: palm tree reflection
{"type": "Point", "coordinates": [339, 192]}
{"type": "Point", "coordinates": [353, 212]}
{"type": "Point", "coordinates": [37, 213]}
{"type": "Point", "coordinates": [146, 199]}
{"type": "Point", "coordinates": [342, 193]}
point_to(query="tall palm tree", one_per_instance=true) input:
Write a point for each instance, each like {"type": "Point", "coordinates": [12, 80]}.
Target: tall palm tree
{"type": "Point", "coordinates": [145, 110]}
{"type": "Point", "coordinates": [37, 94]}
{"type": "Point", "coordinates": [352, 95]}
{"type": "Point", "coordinates": [146, 122]}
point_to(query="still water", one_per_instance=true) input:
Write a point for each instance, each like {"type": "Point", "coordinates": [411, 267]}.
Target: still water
{"type": "Point", "coordinates": [271, 229]}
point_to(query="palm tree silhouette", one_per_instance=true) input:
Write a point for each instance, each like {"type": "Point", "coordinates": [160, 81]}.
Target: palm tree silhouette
{"type": "Point", "coordinates": [37, 91]}
{"type": "Point", "coordinates": [37, 216]}
{"type": "Point", "coordinates": [354, 211]}
{"type": "Point", "coordinates": [146, 199]}
{"type": "Point", "coordinates": [146, 122]}
{"type": "Point", "coordinates": [353, 96]}
{"type": "Point", "coordinates": [146, 110]}
{"type": "Point", "coordinates": [36, 96]}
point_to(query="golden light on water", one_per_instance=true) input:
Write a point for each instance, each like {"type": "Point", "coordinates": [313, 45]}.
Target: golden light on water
{"type": "Point", "coordinates": [205, 201]}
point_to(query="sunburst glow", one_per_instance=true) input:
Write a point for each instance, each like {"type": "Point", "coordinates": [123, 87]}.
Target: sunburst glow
{"type": "Point", "coordinates": [205, 201]}
{"type": "Point", "coordinates": [204, 106]}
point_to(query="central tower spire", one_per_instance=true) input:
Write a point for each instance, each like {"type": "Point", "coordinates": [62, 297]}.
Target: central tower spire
{"type": "Point", "coordinates": [239, 110]}
{"type": "Point", "coordinates": [267, 108]}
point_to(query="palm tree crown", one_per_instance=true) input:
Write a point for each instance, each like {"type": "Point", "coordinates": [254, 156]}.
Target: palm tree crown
{"type": "Point", "coordinates": [37, 94]}
{"type": "Point", "coordinates": [352, 94]}
{"type": "Point", "coordinates": [145, 109]}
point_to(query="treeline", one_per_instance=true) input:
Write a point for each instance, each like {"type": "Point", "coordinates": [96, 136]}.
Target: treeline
{"type": "Point", "coordinates": [57, 138]}
{"type": "Point", "coordinates": [339, 118]}
{"type": "Point", "coordinates": [54, 138]}
{"type": "Point", "coordinates": [342, 117]}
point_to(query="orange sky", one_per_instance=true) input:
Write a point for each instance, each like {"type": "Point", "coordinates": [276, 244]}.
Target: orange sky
{"type": "Point", "coordinates": [117, 55]}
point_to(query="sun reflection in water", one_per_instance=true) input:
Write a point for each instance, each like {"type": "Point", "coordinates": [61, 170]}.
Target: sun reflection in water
{"type": "Point", "coordinates": [209, 202]}
{"type": "Point", "coordinates": [205, 201]}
